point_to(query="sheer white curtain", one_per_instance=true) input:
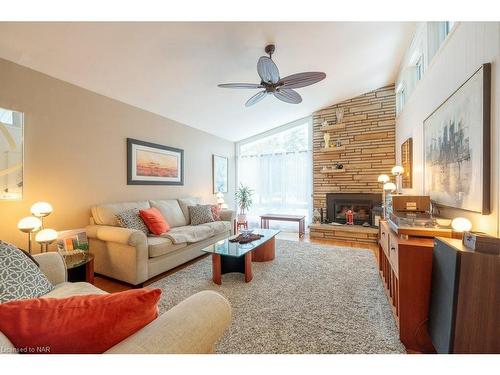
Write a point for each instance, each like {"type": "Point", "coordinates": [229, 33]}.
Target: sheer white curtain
{"type": "Point", "coordinates": [278, 169]}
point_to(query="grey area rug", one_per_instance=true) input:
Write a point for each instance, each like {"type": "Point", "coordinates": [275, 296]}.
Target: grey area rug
{"type": "Point", "coordinates": [309, 299]}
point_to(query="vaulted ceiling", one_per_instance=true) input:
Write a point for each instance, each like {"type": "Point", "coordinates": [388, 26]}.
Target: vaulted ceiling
{"type": "Point", "coordinates": [173, 69]}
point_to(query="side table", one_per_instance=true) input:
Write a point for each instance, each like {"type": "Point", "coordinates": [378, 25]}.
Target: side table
{"type": "Point", "coordinates": [81, 270]}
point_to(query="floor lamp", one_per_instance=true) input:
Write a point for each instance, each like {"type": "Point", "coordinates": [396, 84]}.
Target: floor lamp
{"type": "Point", "coordinates": [388, 187]}
{"type": "Point", "coordinates": [29, 225]}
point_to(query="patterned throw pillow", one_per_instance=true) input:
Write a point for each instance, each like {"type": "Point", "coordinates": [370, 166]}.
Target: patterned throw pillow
{"type": "Point", "coordinates": [130, 219]}
{"type": "Point", "coordinates": [20, 278]}
{"type": "Point", "coordinates": [216, 212]}
{"type": "Point", "coordinates": [201, 214]}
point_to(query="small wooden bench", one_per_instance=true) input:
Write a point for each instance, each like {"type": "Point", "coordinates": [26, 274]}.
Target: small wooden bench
{"type": "Point", "coordinates": [265, 219]}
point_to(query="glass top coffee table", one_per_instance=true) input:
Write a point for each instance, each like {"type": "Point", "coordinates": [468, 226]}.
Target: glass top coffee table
{"type": "Point", "coordinates": [235, 257]}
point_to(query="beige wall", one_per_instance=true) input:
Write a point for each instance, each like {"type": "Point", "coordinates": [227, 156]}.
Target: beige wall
{"type": "Point", "coordinates": [75, 150]}
{"type": "Point", "coordinates": [469, 46]}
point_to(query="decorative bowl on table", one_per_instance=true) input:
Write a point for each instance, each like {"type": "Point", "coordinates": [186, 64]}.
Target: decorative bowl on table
{"type": "Point", "coordinates": [246, 232]}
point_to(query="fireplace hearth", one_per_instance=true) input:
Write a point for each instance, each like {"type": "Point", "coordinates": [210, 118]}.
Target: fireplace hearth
{"type": "Point", "coordinates": [337, 204]}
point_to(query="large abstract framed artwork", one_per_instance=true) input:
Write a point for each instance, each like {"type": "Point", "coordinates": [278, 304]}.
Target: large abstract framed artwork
{"type": "Point", "coordinates": [11, 154]}
{"type": "Point", "coordinates": [457, 147]}
{"type": "Point", "coordinates": [153, 164]}
{"type": "Point", "coordinates": [220, 173]}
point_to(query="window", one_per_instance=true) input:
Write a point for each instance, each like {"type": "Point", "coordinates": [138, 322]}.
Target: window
{"type": "Point", "coordinates": [419, 68]}
{"type": "Point", "coordinates": [278, 168]}
{"type": "Point", "coordinates": [448, 25]}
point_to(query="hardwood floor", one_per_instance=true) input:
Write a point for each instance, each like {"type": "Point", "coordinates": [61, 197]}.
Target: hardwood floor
{"type": "Point", "coordinates": [112, 286]}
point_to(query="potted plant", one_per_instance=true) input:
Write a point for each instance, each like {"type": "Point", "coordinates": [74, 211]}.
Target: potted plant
{"type": "Point", "coordinates": [244, 201]}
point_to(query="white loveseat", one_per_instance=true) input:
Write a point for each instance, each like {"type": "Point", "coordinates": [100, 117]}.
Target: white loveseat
{"type": "Point", "coordinates": [131, 256]}
{"type": "Point", "coordinates": [193, 326]}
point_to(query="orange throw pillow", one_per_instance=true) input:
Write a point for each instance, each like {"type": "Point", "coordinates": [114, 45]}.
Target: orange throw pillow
{"type": "Point", "coordinates": [154, 220]}
{"type": "Point", "coordinates": [89, 324]}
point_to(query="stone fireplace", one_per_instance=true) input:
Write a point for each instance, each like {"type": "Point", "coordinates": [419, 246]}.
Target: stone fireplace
{"type": "Point", "coordinates": [337, 204]}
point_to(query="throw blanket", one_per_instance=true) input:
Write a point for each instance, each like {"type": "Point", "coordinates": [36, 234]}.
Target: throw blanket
{"type": "Point", "coordinates": [190, 233]}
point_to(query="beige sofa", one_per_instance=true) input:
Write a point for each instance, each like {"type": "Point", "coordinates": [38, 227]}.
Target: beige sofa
{"type": "Point", "coordinates": [131, 256]}
{"type": "Point", "coordinates": [193, 326]}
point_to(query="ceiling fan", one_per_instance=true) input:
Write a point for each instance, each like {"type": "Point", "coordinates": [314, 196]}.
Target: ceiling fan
{"type": "Point", "coordinates": [281, 88]}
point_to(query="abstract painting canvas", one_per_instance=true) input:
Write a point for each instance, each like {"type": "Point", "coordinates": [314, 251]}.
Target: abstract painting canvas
{"type": "Point", "coordinates": [11, 154]}
{"type": "Point", "coordinates": [457, 148]}
{"type": "Point", "coordinates": [153, 164]}
{"type": "Point", "coordinates": [220, 171]}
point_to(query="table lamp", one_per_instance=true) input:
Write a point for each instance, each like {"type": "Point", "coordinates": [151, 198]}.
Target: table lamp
{"type": "Point", "coordinates": [382, 179]}
{"type": "Point", "coordinates": [461, 225]}
{"type": "Point", "coordinates": [398, 171]}
{"type": "Point", "coordinates": [220, 200]}
{"type": "Point", "coordinates": [46, 237]}
{"type": "Point", "coordinates": [388, 187]}
{"type": "Point", "coordinates": [29, 225]}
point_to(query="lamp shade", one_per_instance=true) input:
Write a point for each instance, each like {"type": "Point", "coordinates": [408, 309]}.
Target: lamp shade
{"type": "Point", "coordinates": [461, 224]}
{"type": "Point", "coordinates": [389, 186]}
{"type": "Point", "coordinates": [223, 206]}
{"type": "Point", "coordinates": [46, 236]}
{"type": "Point", "coordinates": [383, 178]}
{"type": "Point", "coordinates": [397, 170]}
{"type": "Point", "coordinates": [41, 209]}
{"type": "Point", "coordinates": [219, 195]}
{"type": "Point", "coordinates": [29, 224]}
{"type": "Point", "coordinates": [220, 200]}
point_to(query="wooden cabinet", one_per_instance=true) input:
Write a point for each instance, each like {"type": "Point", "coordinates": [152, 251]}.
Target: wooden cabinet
{"type": "Point", "coordinates": [406, 268]}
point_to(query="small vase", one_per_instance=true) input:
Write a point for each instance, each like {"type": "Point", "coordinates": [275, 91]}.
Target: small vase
{"type": "Point", "coordinates": [326, 138]}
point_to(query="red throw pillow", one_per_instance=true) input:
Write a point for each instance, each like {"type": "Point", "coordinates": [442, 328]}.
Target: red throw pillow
{"type": "Point", "coordinates": [154, 220]}
{"type": "Point", "coordinates": [89, 324]}
{"type": "Point", "coordinates": [216, 212]}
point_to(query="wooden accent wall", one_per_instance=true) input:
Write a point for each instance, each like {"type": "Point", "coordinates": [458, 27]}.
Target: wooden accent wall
{"type": "Point", "coordinates": [369, 140]}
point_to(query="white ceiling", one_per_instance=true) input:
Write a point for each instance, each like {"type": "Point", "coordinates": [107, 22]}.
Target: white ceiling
{"type": "Point", "coordinates": [173, 69]}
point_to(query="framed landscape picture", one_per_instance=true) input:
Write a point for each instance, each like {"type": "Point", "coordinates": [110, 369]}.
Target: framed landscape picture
{"type": "Point", "coordinates": [457, 147]}
{"type": "Point", "coordinates": [153, 164]}
{"type": "Point", "coordinates": [407, 163]}
{"type": "Point", "coordinates": [220, 173]}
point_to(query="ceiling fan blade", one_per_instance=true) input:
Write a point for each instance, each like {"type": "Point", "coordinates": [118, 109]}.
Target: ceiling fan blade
{"type": "Point", "coordinates": [240, 85]}
{"type": "Point", "coordinates": [268, 71]}
{"type": "Point", "coordinates": [288, 95]}
{"type": "Point", "coordinates": [295, 81]}
{"type": "Point", "coordinates": [256, 98]}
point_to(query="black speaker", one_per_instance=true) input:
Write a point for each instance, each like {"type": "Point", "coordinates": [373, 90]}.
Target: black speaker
{"type": "Point", "coordinates": [444, 292]}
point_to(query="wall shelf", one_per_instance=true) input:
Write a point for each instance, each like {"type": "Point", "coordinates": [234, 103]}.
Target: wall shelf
{"type": "Point", "coordinates": [332, 149]}
{"type": "Point", "coordinates": [332, 171]}
{"type": "Point", "coordinates": [332, 127]}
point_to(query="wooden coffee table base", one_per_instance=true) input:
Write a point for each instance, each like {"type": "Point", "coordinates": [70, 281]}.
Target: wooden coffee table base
{"type": "Point", "coordinates": [264, 252]}
{"type": "Point", "coordinates": [227, 264]}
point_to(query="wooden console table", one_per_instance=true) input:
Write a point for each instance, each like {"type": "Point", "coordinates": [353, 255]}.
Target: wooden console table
{"type": "Point", "coordinates": [406, 269]}
{"type": "Point", "coordinates": [265, 219]}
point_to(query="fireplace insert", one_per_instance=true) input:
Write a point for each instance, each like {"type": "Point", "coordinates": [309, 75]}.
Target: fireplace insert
{"type": "Point", "coordinates": [361, 204]}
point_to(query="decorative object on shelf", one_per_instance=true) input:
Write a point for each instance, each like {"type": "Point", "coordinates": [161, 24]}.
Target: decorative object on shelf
{"type": "Point", "coordinates": [326, 138]}
{"type": "Point", "coordinates": [220, 167]}
{"type": "Point", "coordinates": [29, 225]}
{"type": "Point", "coordinates": [324, 124]}
{"type": "Point", "coordinates": [338, 166]}
{"type": "Point", "coordinates": [338, 143]}
{"type": "Point", "coordinates": [397, 171]}
{"type": "Point", "coordinates": [45, 237]}
{"type": "Point", "coordinates": [407, 163]}
{"type": "Point", "coordinates": [349, 217]}
{"type": "Point", "coordinates": [244, 202]}
{"type": "Point", "coordinates": [153, 164]}
{"type": "Point", "coordinates": [270, 81]}
{"type": "Point", "coordinates": [457, 146]}
{"type": "Point", "coordinates": [316, 216]}
{"type": "Point", "coordinates": [461, 225]}
{"type": "Point", "coordinates": [220, 200]}
{"type": "Point", "coordinates": [11, 154]}
{"type": "Point", "coordinates": [339, 112]}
